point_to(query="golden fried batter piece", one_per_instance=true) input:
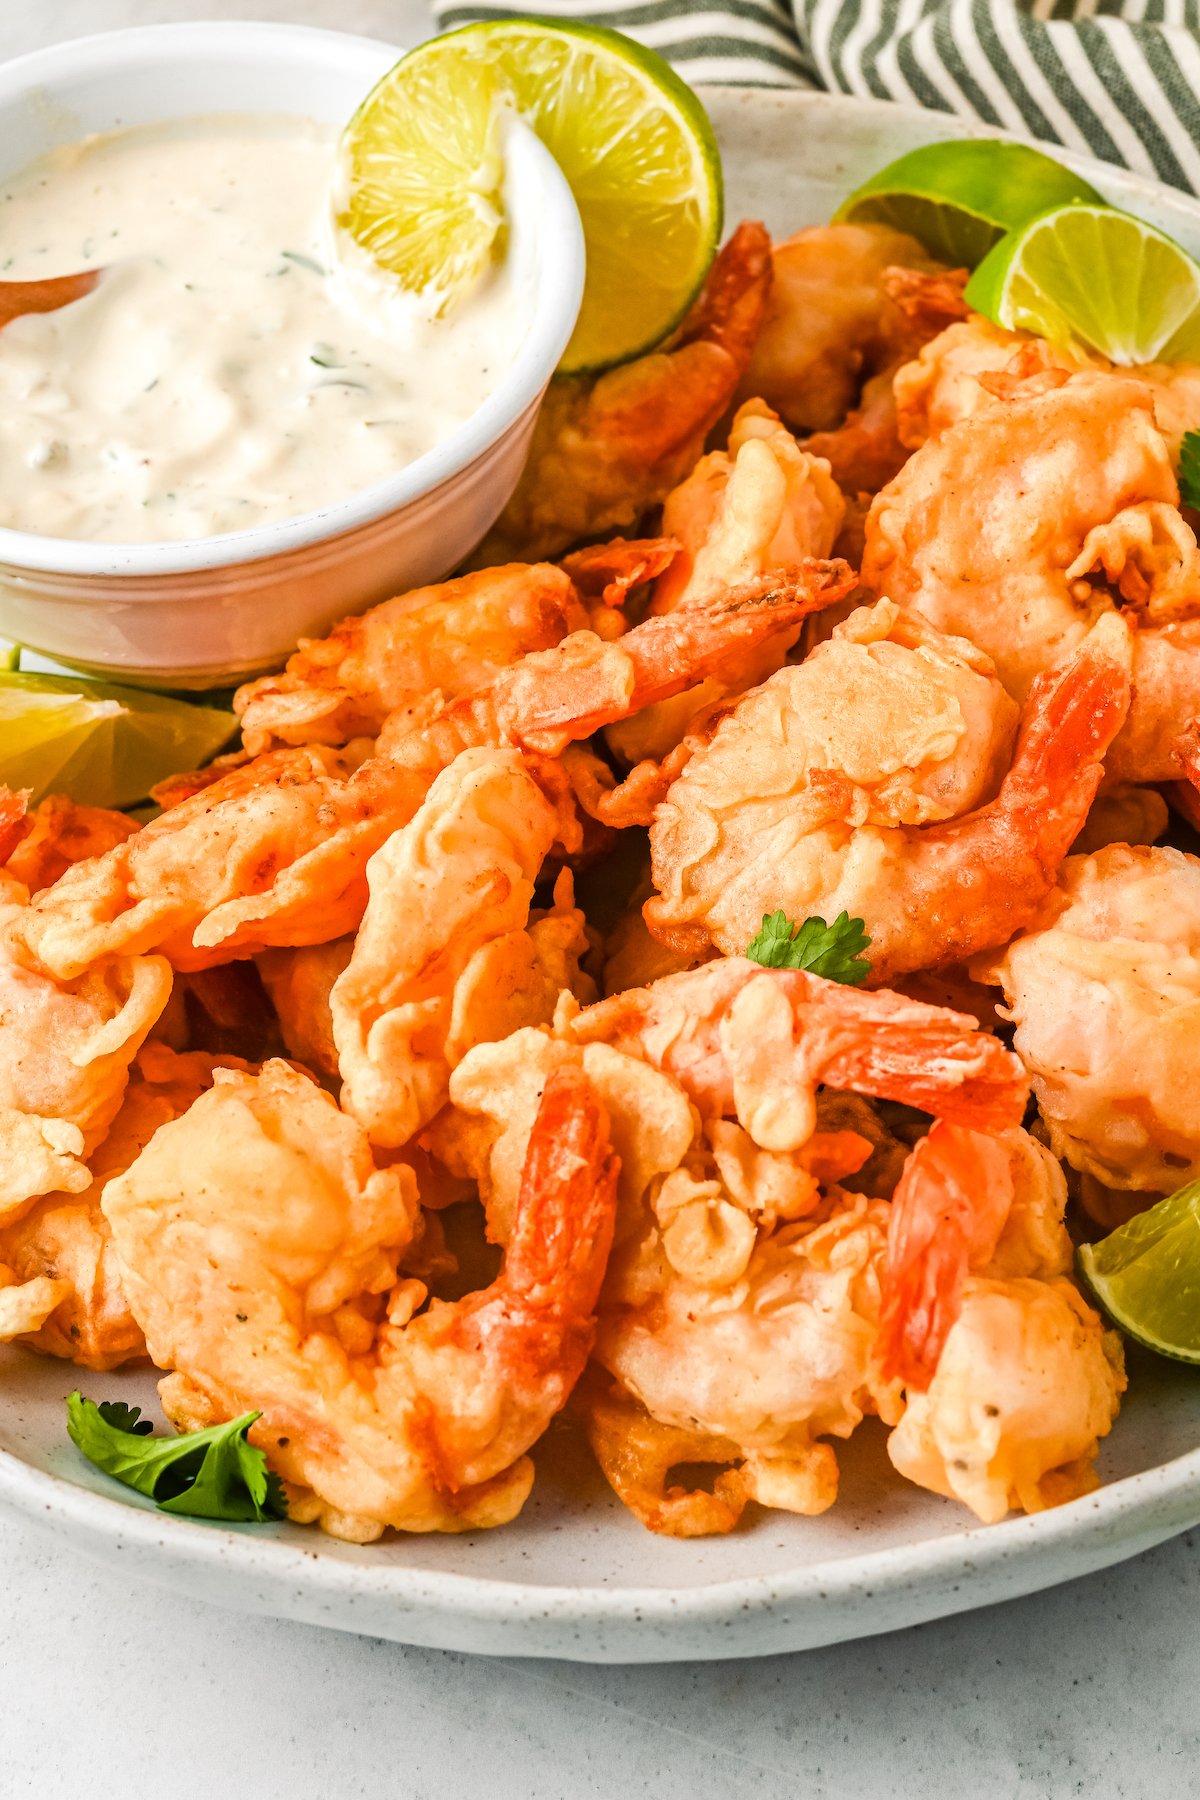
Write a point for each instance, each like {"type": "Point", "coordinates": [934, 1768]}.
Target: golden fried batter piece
{"type": "Point", "coordinates": [60, 1286]}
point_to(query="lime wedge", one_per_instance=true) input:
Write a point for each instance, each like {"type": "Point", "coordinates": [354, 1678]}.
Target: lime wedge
{"type": "Point", "coordinates": [1096, 276]}
{"type": "Point", "coordinates": [961, 197]}
{"type": "Point", "coordinates": [1146, 1275]}
{"type": "Point", "coordinates": [421, 171]}
{"type": "Point", "coordinates": [102, 745]}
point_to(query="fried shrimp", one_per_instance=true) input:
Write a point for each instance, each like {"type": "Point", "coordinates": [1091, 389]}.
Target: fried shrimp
{"type": "Point", "coordinates": [453, 638]}
{"type": "Point", "coordinates": [608, 447]}
{"type": "Point", "coordinates": [292, 1305]}
{"type": "Point", "coordinates": [60, 1288]}
{"type": "Point", "coordinates": [1103, 986]}
{"type": "Point", "coordinates": [854, 781]}
{"type": "Point", "coordinates": [447, 955]}
{"type": "Point", "coordinates": [994, 527]}
{"type": "Point", "coordinates": [830, 321]}
{"type": "Point", "coordinates": [1011, 1377]}
{"type": "Point", "coordinates": [759, 508]}
{"type": "Point", "coordinates": [1022, 523]}
{"type": "Point", "coordinates": [951, 378]}
{"type": "Point", "coordinates": [65, 1051]}
{"type": "Point", "coordinates": [741, 1310]}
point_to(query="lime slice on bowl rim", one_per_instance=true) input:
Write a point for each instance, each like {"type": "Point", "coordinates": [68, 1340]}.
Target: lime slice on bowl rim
{"type": "Point", "coordinates": [421, 171]}
{"type": "Point", "coordinates": [959, 198]}
{"type": "Point", "coordinates": [1098, 277]}
{"type": "Point", "coordinates": [1146, 1275]}
{"type": "Point", "coordinates": [101, 744]}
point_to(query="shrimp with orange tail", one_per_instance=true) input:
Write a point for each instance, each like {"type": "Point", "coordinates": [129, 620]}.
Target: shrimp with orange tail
{"type": "Point", "coordinates": [758, 1042]}
{"type": "Point", "coordinates": [275, 853]}
{"type": "Point", "coordinates": [740, 1313]}
{"type": "Point", "coordinates": [452, 638]}
{"type": "Point", "coordinates": [1011, 1377]}
{"type": "Point", "coordinates": [868, 448]}
{"type": "Point", "coordinates": [758, 508]}
{"type": "Point", "coordinates": [285, 1299]}
{"type": "Point", "coordinates": [608, 447]}
{"type": "Point", "coordinates": [860, 780]}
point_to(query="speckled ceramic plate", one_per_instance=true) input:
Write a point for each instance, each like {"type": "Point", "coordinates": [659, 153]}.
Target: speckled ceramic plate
{"type": "Point", "coordinates": [575, 1575]}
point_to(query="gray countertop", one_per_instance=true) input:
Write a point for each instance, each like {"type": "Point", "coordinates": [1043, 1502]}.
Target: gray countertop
{"type": "Point", "coordinates": [115, 1690]}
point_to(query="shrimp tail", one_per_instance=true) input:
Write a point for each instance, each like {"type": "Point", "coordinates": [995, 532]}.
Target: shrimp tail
{"type": "Point", "coordinates": [569, 693]}
{"type": "Point", "coordinates": [1073, 714]}
{"type": "Point", "coordinates": [542, 1306]}
{"type": "Point", "coordinates": [733, 300]}
{"type": "Point", "coordinates": [606, 572]}
{"type": "Point", "coordinates": [984, 875]}
{"type": "Point", "coordinates": [949, 1208]}
{"type": "Point", "coordinates": [566, 1205]}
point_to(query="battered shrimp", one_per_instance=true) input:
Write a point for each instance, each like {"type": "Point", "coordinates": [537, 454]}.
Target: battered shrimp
{"type": "Point", "coordinates": [287, 1301]}
{"type": "Point", "coordinates": [447, 955]}
{"type": "Point", "coordinates": [994, 527]}
{"type": "Point", "coordinates": [831, 322]}
{"type": "Point", "coordinates": [757, 1042]}
{"type": "Point", "coordinates": [58, 833]}
{"type": "Point", "coordinates": [608, 447]}
{"type": "Point", "coordinates": [868, 448]}
{"type": "Point", "coordinates": [275, 852]}
{"type": "Point", "coordinates": [1104, 989]}
{"type": "Point", "coordinates": [951, 378]}
{"type": "Point", "coordinates": [454, 637]}
{"type": "Point", "coordinates": [65, 1051]}
{"type": "Point", "coordinates": [1011, 1377]}
{"type": "Point", "coordinates": [741, 1309]}
{"type": "Point", "coordinates": [60, 1288]}
{"type": "Point", "coordinates": [1006, 526]}
{"type": "Point", "coordinates": [760, 506]}
{"type": "Point", "coordinates": [860, 780]}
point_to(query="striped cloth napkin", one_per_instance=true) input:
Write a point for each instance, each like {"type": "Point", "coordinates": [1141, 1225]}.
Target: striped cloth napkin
{"type": "Point", "coordinates": [1116, 79]}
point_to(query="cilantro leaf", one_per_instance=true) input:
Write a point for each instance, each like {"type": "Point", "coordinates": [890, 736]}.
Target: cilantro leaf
{"type": "Point", "coordinates": [214, 1474]}
{"type": "Point", "coordinates": [1189, 469]}
{"type": "Point", "coordinates": [834, 951]}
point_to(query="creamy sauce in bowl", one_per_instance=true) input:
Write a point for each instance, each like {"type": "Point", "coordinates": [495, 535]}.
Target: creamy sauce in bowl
{"type": "Point", "coordinates": [240, 362]}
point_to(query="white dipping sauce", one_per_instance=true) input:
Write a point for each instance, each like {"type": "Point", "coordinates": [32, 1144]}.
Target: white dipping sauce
{"type": "Point", "coordinates": [240, 362]}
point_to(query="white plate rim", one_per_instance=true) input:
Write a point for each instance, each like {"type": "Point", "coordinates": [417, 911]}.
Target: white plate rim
{"type": "Point", "coordinates": [1160, 1501]}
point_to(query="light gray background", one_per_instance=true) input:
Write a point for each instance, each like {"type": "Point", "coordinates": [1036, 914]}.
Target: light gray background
{"type": "Point", "coordinates": [131, 1692]}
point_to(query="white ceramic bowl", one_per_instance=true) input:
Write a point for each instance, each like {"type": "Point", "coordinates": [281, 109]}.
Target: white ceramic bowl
{"type": "Point", "coordinates": [210, 610]}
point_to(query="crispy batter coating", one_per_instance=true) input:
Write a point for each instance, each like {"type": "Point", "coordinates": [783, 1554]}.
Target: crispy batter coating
{"type": "Point", "coordinates": [862, 780]}
{"type": "Point", "coordinates": [1104, 989]}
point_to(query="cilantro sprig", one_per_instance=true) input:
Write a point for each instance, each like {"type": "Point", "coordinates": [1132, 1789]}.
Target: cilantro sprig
{"type": "Point", "coordinates": [1189, 469]}
{"type": "Point", "coordinates": [834, 951]}
{"type": "Point", "coordinates": [214, 1474]}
